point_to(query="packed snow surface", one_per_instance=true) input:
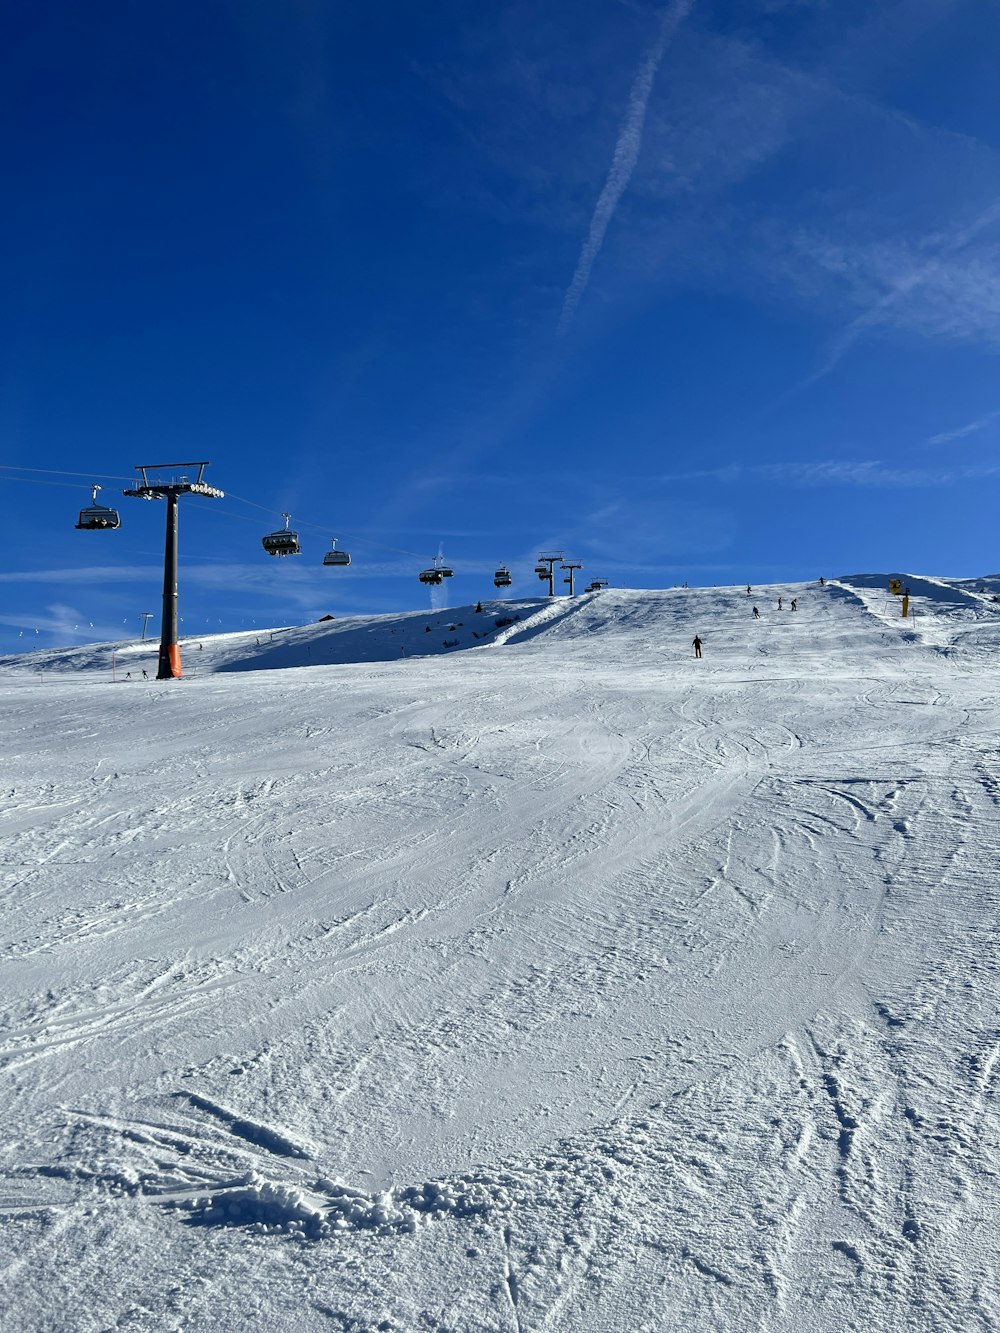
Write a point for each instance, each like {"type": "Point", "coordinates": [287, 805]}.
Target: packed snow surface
{"type": "Point", "coordinates": [433, 973]}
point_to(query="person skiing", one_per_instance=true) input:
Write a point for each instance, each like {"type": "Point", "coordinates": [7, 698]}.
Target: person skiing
{"type": "Point", "coordinates": [145, 674]}
{"type": "Point", "coordinates": [795, 603]}
{"type": "Point", "coordinates": [779, 603]}
{"type": "Point", "coordinates": [748, 589]}
{"type": "Point", "coordinates": [822, 581]}
{"type": "Point", "coordinates": [756, 614]}
{"type": "Point", "coordinates": [696, 642]}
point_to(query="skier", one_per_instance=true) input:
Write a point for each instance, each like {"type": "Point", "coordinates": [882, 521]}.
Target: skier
{"type": "Point", "coordinates": [795, 603]}
{"type": "Point", "coordinates": [145, 674]}
{"type": "Point", "coordinates": [697, 646]}
{"type": "Point", "coordinates": [756, 614]}
{"type": "Point", "coordinates": [822, 581]}
{"type": "Point", "coordinates": [779, 603]}
{"type": "Point", "coordinates": [748, 589]}
{"type": "Point", "coordinates": [128, 675]}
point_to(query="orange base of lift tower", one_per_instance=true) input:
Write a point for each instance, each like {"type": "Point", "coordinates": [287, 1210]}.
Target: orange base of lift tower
{"type": "Point", "coordinates": [170, 663]}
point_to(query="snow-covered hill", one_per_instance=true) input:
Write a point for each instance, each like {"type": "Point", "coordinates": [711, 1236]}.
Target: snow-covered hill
{"type": "Point", "coordinates": [941, 610]}
{"type": "Point", "coordinates": [510, 976]}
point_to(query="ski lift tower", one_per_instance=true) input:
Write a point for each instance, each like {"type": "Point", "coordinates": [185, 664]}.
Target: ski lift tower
{"type": "Point", "coordinates": [570, 566]}
{"type": "Point", "coordinates": [544, 569]}
{"type": "Point", "coordinates": [171, 490]}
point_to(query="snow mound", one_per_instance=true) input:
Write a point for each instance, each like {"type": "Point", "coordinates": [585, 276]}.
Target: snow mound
{"type": "Point", "coordinates": [330, 1207]}
{"type": "Point", "coordinates": [262, 1206]}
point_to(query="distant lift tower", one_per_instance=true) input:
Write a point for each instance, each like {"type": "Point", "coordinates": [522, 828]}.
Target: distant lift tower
{"type": "Point", "coordinates": [171, 491]}
{"type": "Point", "coordinates": [544, 570]}
{"type": "Point", "coordinates": [570, 566]}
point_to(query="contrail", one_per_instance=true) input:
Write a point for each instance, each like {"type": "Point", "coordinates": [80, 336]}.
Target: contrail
{"type": "Point", "coordinates": [623, 162]}
{"type": "Point", "coordinates": [946, 436]}
{"type": "Point", "coordinates": [838, 348]}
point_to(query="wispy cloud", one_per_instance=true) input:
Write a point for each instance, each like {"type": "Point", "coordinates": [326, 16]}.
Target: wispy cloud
{"type": "Point", "coordinates": [623, 161]}
{"type": "Point", "coordinates": [870, 236]}
{"type": "Point", "coordinates": [946, 436]}
{"type": "Point", "coordinates": [909, 282]}
{"type": "Point", "coordinates": [858, 200]}
{"type": "Point", "coordinates": [88, 575]}
{"type": "Point", "coordinates": [836, 472]}
{"type": "Point", "coordinates": [629, 530]}
{"type": "Point", "coordinates": [61, 621]}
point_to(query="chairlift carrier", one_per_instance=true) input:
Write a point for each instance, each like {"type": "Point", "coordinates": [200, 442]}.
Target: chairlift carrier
{"type": "Point", "coordinates": [336, 557]}
{"type": "Point", "coordinates": [282, 542]}
{"type": "Point", "coordinates": [98, 518]}
{"type": "Point", "coordinates": [437, 573]}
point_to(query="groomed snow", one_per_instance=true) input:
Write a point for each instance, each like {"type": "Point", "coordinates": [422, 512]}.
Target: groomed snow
{"type": "Point", "coordinates": [422, 972]}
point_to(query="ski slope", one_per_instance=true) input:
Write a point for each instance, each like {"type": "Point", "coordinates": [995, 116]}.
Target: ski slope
{"type": "Point", "coordinates": [423, 973]}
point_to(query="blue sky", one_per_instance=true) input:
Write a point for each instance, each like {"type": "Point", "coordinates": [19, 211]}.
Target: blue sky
{"type": "Point", "coordinates": [703, 291]}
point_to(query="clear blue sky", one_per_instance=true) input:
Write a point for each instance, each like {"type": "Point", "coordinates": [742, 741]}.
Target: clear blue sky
{"type": "Point", "coordinates": [703, 291]}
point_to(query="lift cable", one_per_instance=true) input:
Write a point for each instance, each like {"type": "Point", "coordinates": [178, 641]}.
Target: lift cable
{"type": "Point", "coordinates": [36, 481]}
{"type": "Point", "coordinates": [267, 509]}
{"type": "Point", "coordinates": [52, 472]}
{"type": "Point", "coordinates": [348, 536]}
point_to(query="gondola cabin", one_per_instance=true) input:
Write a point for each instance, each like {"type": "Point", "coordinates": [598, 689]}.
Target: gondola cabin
{"type": "Point", "coordinates": [282, 542]}
{"type": "Point", "coordinates": [98, 518]}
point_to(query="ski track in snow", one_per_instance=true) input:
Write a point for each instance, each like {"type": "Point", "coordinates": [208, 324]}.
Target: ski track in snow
{"type": "Point", "coordinates": [555, 983]}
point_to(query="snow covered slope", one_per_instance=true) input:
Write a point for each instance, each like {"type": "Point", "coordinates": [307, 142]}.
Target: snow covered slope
{"type": "Point", "coordinates": [385, 638]}
{"type": "Point", "coordinates": [546, 979]}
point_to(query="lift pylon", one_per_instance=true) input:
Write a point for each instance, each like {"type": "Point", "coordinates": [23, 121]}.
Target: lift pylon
{"type": "Point", "coordinates": [571, 566]}
{"type": "Point", "coordinates": [545, 570]}
{"type": "Point", "coordinates": [171, 491]}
